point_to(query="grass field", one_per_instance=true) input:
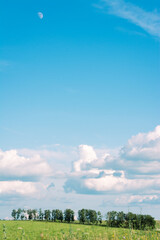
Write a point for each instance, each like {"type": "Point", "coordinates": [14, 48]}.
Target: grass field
{"type": "Point", "coordinates": [30, 230]}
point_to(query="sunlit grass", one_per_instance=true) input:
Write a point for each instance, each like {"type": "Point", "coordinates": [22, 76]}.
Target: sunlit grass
{"type": "Point", "coordinates": [31, 230]}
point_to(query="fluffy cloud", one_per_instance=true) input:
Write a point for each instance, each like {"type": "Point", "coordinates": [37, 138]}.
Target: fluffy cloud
{"type": "Point", "coordinates": [135, 169]}
{"type": "Point", "coordinates": [108, 181]}
{"type": "Point", "coordinates": [88, 159]}
{"type": "Point", "coordinates": [13, 165]}
{"type": "Point", "coordinates": [20, 188]}
{"type": "Point", "coordinates": [134, 199]}
{"type": "Point", "coordinates": [144, 146]}
{"type": "Point", "coordinates": [44, 153]}
{"type": "Point", "coordinates": [87, 156]}
{"type": "Point", "coordinates": [121, 184]}
{"type": "Point", "coordinates": [27, 172]}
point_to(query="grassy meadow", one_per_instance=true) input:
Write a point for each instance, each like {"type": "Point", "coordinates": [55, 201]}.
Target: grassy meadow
{"type": "Point", "coordinates": [30, 230]}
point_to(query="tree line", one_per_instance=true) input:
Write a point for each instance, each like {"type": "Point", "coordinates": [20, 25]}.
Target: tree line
{"type": "Point", "coordinates": [87, 216]}
{"type": "Point", "coordinates": [130, 220]}
{"type": "Point", "coordinates": [47, 215]}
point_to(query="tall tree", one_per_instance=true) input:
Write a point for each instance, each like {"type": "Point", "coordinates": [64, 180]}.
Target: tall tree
{"type": "Point", "coordinates": [111, 219]}
{"type": "Point", "coordinates": [92, 216]}
{"type": "Point", "coordinates": [47, 215]}
{"type": "Point", "coordinates": [30, 214]}
{"type": "Point", "coordinates": [19, 213]}
{"type": "Point", "coordinates": [22, 214]}
{"type": "Point", "coordinates": [82, 215]}
{"type": "Point", "coordinates": [40, 214]}
{"type": "Point", "coordinates": [57, 215]}
{"type": "Point", "coordinates": [99, 217]}
{"type": "Point", "coordinates": [120, 219]}
{"type": "Point", "coordinates": [54, 218]}
{"type": "Point", "coordinates": [35, 214]}
{"type": "Point", "coordinates": [69, 215]}
{"type": "Point", "coordinates": [60, 216]}
{"type": "Point", "coordinates": [14, 213]}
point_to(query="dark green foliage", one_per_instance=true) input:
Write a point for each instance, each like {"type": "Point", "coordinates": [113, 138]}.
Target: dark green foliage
{"type": "Point", "coordinates": [82, 216]}
{"type": "Point", "coordinates": [130, 220]}
{"type": "Point", "coordinates": [99, 217]}
{"type": "Point", "coordinates": [92, 216]}
{"type": "Point", "coordinates": [19, 213]}
{"type": "Point", "coordinates": [14, 213]}
{"type": "Point", "coordinates": [120, 219]}
{"type": "Point", "coordinates": [47, 215]}
{"type": "Point", "coordinates": [57, 215]}
{"type": "Point", "coordinates": [112, 219]}
{"type": "Point", "coordinates": [30, 214]}
{"type": "Point", "coordinates": [89, 216]}
{"type": "Point", "coordinates": [22, 217]}
{"type": "Point", "coordinates": [68, 215]}
{"type": "Point", "coordinates": [40, 214]}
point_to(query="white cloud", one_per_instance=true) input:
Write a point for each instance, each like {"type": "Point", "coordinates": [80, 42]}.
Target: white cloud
{"type": "Point", "coordinates": [149, 167]}
{"type": "Point", "coordinates": [134, 199]}
{"type": "Point", "coordinates": [43, 153]}
{"type": "Point", "coordinates": [58, 157]}
{"type": "Point", "coordinates": [135, 169]}
{"type": "Point", "coordinates": [148, 21]}
{"type": "Point", "coordinates": [120, 184]}
{"type": "Point", "coordinates": [14, 165]}
{"type": "Point", "coordinates": [20, 188]}
{"type": "Point", "coordinates": [88, 158]}
{"type": "Point", "coordinates": [143, 146]}
{"type": "Point", "coordinates": [94, 171]}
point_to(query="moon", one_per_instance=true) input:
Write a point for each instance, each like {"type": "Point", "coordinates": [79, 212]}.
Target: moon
{"type": "Point", "coordinates": [40, 15]}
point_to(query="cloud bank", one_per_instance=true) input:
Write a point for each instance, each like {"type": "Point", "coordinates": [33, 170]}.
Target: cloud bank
{"type": "Point", "coordinates": [134, 170]}
{"type": "Point", "coordinates": [126, 175]}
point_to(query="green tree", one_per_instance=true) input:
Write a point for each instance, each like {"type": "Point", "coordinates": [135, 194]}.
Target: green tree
{"type": "Point", "coordinates": [120, 219]}
{"type": "Point", "coordinates": [54, 218]}
{"type": "Point", "coordinates": [19, 211]}
{"type": "Point", "coordinates": [47, 215]}
{"type": "Point", "coordinates": [22, 214]}
{"type": "Point", "coordinates": [60, 216]}
{"type": "Point", "coordinates": [35, 214]}
{"type": "Point", "coordinates": [30, 214]}
{"type": "Point", "coordinates": [92, 216]}
{"type": "Point", "coordinates": [99, 217]}
{"type": "Point", "coordinates": [57, 215]}
{"type": "Point", "coordinates": [111, 219]}
{"type": "Point", "coordinates": [82, 215]}
{"type": "Point", "coordinates": [13, 214]}
{"type": "Point", "coordinates": [131, 220]}
{"type": "Point", "coordinates": [149, 222]}
{"type": "Point", "coordinates": [40, 214]}
{"type": "Point", "coordinates": [69, 215]}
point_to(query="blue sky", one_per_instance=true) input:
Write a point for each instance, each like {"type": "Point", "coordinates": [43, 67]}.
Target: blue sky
{"type": "Point", "coordinates": [75, 86]}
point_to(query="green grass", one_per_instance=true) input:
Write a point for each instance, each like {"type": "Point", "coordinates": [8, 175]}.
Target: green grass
{"type": "Point", "coordinates": [158, 225]}
{"type": "Point", "coordinates": [31, 230]}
